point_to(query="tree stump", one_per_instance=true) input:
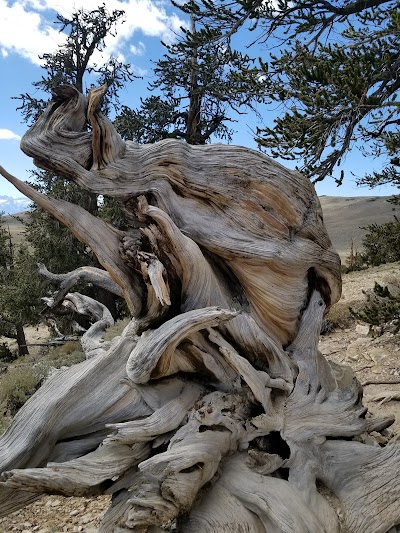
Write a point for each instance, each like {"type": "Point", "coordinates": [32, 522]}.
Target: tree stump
{"type": "Point", "coordinates": [213, 411]}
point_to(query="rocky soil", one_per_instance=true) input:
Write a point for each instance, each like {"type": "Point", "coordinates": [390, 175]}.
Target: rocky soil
{"type": "Point", "coordinates": [373, 358]}
{"type": "Point", "coordinates": [351, 343]}
{"type": "Point", "coordinates": [55, 514]}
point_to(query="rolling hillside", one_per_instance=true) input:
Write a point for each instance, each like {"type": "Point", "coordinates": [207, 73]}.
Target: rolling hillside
{"type": "Point", "coordinates": [16, 226]}
{"type": "Point", "coordinates": [343, 217]}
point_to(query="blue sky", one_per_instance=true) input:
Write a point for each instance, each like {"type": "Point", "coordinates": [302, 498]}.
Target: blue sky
{"type": "Point", "coordinates": [27, 31]}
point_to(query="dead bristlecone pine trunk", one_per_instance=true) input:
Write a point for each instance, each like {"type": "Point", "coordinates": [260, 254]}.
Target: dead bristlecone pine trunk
{"type": "Point", "coordinates": [213, 411]}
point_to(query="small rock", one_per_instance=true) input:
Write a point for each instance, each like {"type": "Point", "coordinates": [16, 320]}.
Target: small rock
{"type": "Point", "coordinates": [74, 512]}
{"type": "Point", "coordinates": [378, 369]}
{"type": "Point", "coordinates": [379, 438]}
{"type": "Point", "coordinates": [86, 518]}
{"type": "Point", "coordinates": [361, 342]}
{"type": "Point", "coordinates": [352, 353]}
{"type": "Point", "coordinates": [55, 503]}
{"type": "Point", "coordinates": [26, 525]}
{"type": "Point", "coordinates": [362, 329]}
{"type": "Point", "coordinates": [378, 355]}
{"type": "Point", "coordinates": [26, 531]}
{"type": "Point", "coordinates": [371, 441]}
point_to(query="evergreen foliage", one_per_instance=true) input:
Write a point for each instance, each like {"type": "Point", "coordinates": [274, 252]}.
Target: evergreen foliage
{"type": "Point", "coordinates": [52, 243]}
{"type": "Point", "coordinates": [200, 91]}
{"type": "Point", "coordinates": [382, 243]}
{"type": "Point", "coordinates": [333, 68]}
{"type": "Point", "coordinates": [382, 308]}
{"type": "Point", "coordinates": [389, 174]}
{"type": "Point", "coordinates": [20, 290]}
{"type": "Point", "coordinates": [6, 354]}
{"type": "Point", "coordinates": [18, 385]}
{"type": "Point", "coordinates": [72, 63]}
{"type": "Point", "coordinates": [355, 260]}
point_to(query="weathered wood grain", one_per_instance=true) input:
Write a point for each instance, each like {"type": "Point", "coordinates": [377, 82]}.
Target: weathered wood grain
{"type": "Point", "coordinates": [213, 411]}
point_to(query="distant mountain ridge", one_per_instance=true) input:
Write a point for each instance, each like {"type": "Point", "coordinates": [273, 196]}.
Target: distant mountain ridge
{"type": "Point", "coordinates": [10, 205]}
{"type": "Point", "coordinates": [344, 217]}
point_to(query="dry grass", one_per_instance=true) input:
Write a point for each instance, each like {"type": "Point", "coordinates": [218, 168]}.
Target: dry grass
{"type": "Point", "coordinates": [116, 329]}
{"type": "Point", "coordinates": [25, 375]}
{"type": "Point", "coordinates": [339, 314]}
{"type": "Point", "coordinates": [18, 385]}
{"type": "Point", "coordinates": [67, 354]}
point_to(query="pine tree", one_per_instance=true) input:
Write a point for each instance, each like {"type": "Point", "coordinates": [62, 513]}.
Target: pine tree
{"type": "Point", "coordinates": [382, 243]}
{"type": "Point", "coordinates": [72, 64]}
{"type": "Point", "coordinates": [20, 289]}
{"type": "Point", "coordinates": [382, 308]}
{"type": "Point", "coordinates": [331, 66]}
{"type": "Point", "coordinates": [197, 91]}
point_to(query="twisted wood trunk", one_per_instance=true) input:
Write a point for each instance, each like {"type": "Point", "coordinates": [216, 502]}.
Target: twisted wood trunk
{"type": "Point", "coordinates": [214, 410]}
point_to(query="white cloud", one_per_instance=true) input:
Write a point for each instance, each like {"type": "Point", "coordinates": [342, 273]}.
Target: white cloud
{"type": "Point", "coordinates": [137, 50]}
{"type": "Point", "coordinates": [25, 31]}
{"type": "Point", "coordinates": [8, 135]}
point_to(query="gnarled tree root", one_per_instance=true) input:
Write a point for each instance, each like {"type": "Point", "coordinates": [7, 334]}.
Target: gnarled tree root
{"type": "Point", "coordinates": [213, 411]}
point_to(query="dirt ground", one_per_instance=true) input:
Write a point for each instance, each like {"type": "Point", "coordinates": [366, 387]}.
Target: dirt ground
{"type": "Point", "coordinates": [372, 359]}
{"type": "Point", "coordinates": [352, 344]}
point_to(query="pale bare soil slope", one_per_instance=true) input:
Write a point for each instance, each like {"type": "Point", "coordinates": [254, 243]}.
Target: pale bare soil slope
{"type": "Point", "coordinates": [15, 224]}
{"type": "Point", "coordinates": [345, 216]}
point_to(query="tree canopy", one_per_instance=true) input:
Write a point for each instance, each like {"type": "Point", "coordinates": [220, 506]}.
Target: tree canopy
{"type": "Point", "coordinates": [333, 68]}
{"type": "Point", "coordinates": [20, 289]}
{"type": "Point", "coordinates": [75, 62]}
{"type": "Point", "coordinates": [197, 91]}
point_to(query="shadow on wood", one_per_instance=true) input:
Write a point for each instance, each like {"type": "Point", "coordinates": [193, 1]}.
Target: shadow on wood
{"type": "Point", "coordinates": [214, 410]}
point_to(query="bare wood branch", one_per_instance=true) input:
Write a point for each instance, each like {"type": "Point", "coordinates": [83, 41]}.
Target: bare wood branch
{"type": "Point", "coordinates": [214, 408]}
{"type": "Point", "coordinates": [86, 274]}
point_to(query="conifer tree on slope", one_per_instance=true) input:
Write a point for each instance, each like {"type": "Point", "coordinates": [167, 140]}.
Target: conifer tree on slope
{"type": "Point", "coordinates": [196, 92]}
{"type": "Point", "coordinates": [20, 293]}
{"type": "Point", "coordinates": [72, 64]}
{"type": "Point", "coordinates": [331, 67]}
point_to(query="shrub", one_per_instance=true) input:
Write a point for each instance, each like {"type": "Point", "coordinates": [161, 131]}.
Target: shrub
{"type": "Point", "coordinates": [66, 354]}
{"type": "Point", "coordinates": [382, 307]}
{"type": "Point", "coordinates": [116, 329]}
{"type": "Point", "coordinates": [18, 385]}
{"type": "Point", "coordinates": [338, 316]}
{"type": "Point", "coordinates": [382, 243]}
{"type": "Point", "coordinates": [5, 421]}
{"type": "Point", "coordinates": [6, 355]}
{"type": "Point", "coordinates": [354, 261]}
